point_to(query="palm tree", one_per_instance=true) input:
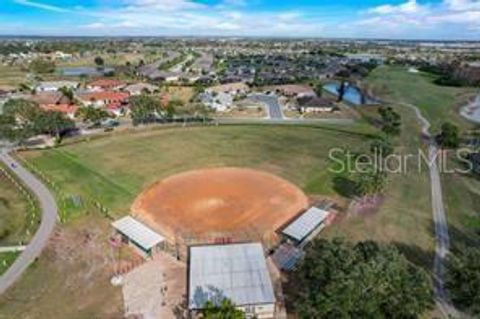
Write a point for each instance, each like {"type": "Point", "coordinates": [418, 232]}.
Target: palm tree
{"type": "Point", "coordinates": [68, 94]}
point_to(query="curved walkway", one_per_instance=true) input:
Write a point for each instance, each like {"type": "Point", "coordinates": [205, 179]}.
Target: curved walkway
{"type": "Point", "coordinates": [442, 247]}
{"type": "Point", "coordinates": [49, 218]}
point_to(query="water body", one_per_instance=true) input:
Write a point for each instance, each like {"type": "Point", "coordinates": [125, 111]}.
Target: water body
{"type": "Point", "coordinates": [84, 71]}
{"type": "Point", "coordinates": [472, 111]}
{"type": "Point", "coordinates": [352, 94]}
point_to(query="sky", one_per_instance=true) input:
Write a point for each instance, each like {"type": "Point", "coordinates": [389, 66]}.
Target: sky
{"type": "Point", "coordinates": [392, 19]}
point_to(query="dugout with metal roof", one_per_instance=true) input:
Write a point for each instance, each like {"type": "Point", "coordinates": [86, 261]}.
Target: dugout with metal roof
{"type": "Point", "coordinates": [140, 235]}
{"type": "Point", "coordinates": [306, 226]}
{"type": "Point", "coordinates": [237, 272]}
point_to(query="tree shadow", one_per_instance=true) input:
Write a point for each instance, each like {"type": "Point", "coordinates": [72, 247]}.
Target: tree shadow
{"type": "Point", "coordinates": [416, 255]}
{"type": "Point", "coordinates": [344, 186]}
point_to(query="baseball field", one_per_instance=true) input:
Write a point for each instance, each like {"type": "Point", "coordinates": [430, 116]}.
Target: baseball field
{"type": "Point", "coordinates": [235, 204]}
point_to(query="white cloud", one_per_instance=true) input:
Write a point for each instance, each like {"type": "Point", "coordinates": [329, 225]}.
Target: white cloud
{"type": "Point", "coordinates": [413, 19]}
{"type": "Point", "coordinates": [40, 5]}
{"type": "Point", "coordinates": [462, 5]}
{"type": "Point", "coordinates": [409, 7]}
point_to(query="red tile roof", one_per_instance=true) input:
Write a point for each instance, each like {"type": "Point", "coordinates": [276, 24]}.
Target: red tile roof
{"type": "Point", "coordinates": [106, 83]}
{"type": "Point", "coordinates": [108, 96]}
{"type": "Point", "coordinates": [63, 108]}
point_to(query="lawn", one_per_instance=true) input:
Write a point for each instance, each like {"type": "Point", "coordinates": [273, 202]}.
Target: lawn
{"type": "Point", "coordinates": [6, 260]}
{"type": "Point", "coordinates": [116, 168]}
{"type": "Point", "coordinates": [460, 192]}
{"type": "Point", "coordinates": [405, 217]}
{"type": "Point", "coordinates": [17, 220]}
{"type": "Point", "coordinates": [438, 103]}
{"type": "Point", "coordinates": [71, 279]}
{"type": "Point", "coordinates": [11, 76]}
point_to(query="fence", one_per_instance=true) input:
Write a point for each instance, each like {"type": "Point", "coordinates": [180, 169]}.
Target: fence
{"type": "Point", "coordinates": [33, 210]}
{"type": "Point", "coordinates": [62, 198]}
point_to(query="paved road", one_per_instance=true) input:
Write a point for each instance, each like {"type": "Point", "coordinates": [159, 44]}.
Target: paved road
{"type": "Point", "coordinates": [274, 108]}
{"type": "Point", "coordinates": [442, 247]}
{"type": "Point", "coordinates": [49, 218]}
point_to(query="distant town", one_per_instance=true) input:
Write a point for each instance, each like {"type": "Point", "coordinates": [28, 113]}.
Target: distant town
{"type": "Point", "coordinates": [192, 177]}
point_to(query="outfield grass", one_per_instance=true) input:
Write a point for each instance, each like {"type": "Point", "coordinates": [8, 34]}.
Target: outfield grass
{"type": "Point", "coordinates": [438, 103]}
{"type": "Point", "coordinates": [117, 168]}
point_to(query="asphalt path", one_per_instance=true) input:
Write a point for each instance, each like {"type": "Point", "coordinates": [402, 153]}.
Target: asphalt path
{"type": "Point", "coordinates": [47, 225]}
{"type": "Point", "coordinates": [442, 247]}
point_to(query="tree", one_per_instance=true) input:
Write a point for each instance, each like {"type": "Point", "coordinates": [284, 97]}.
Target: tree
{"type": "Point", "coordinates": [68, 94]}
{"type": "Point", "coordinates": [145, 109]}
{"type": "Point", "coordinates": [370, 182]}
{"type": "Point", "coordinates": [99, 62]}
{"type": "Point", "coordinates": [17, 120]}
{"type": "Point", "coordinates": [319, 89]}
{"type": "Point", "coordinates": [381, 147]}
{"type": "Point", "coordinates": [41, 66]}
{"type": "Point", "coordinates": [52, 123]}
{"type": "Point", "coordinates": [23, 119]}
{"type": "Point", "coordinates": [448, 137]}
{"type": "Point", "coordinates": [92, 115]}
{"type": "Point", "coordinates": [463, 280]}
{"type": "Point", "coordinates": [366, 280]}
{"type": "Point", "coordinates": [391, 121]}
{"type": "Point", "coordinates": [225, 310]}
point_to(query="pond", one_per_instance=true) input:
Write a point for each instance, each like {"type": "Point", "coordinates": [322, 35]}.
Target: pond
{"type": "Point", "coordinates": [84, 71]}
{"type": "Point", "coordinates": [472, 110]}
{"type": "Point", "coordinates": [352, 94]}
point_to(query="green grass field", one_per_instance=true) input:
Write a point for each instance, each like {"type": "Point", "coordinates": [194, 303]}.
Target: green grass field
{"type": "Point", "coordinates": [11, 76]}
{"type": "Point", "coordinates": [115, 169]}
{"type": "Point", "coordinates": [6, 260]}
{"type": "Point", "coordinates": [15, 215]}
{"type": "Point", "coordinates": [439, 103]}
{"type": "Point", "coordinates": [460, 192]}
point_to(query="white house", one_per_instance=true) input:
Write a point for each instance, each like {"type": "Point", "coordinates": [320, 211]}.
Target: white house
{"type": "Point", "coordinates": [53, 86]}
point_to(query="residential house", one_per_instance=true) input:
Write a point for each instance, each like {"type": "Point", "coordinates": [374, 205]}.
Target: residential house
{"type": "Point", "coordinates": [316, 104]}
{"type": "Point", "coordinates": [230, 88]}
{"type": "Point", "coordinates": [104, 98]}
{"type": "Point", "coordinates": [54, 86]}
{"type": "Point", "coordinates": [139, 88]}
{"type": "Point", "coordinates": [106, 85]}
{"type": "Point", "coordinates": [295, 91]}
{"type": "Point", "coordinates": [69, 110]}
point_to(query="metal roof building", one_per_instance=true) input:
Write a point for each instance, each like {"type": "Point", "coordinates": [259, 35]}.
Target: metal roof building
{"type": "Point", "coordinates": [138, 233]}
{"type": "Point", "coordinates": [309, 222]}
{"type": "Point", "coordinates": [238, 272]}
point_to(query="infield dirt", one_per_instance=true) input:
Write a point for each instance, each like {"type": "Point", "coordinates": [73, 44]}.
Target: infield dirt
{"type": "Point", "coordinates": [234, 203]}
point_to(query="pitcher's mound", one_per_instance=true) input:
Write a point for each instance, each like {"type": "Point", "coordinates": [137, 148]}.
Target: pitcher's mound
{"type": "Point", "coordinates": [204, 205]}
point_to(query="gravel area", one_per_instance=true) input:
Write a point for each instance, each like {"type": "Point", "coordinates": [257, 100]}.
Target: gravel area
{"type": "Point", "coordinates": [156, 289]}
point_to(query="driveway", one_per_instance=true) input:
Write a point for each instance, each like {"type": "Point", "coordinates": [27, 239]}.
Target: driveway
{"type": "Point", "coordinates": [271, 101]}
{"type": "Point", "coordinates": [47, 225]}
